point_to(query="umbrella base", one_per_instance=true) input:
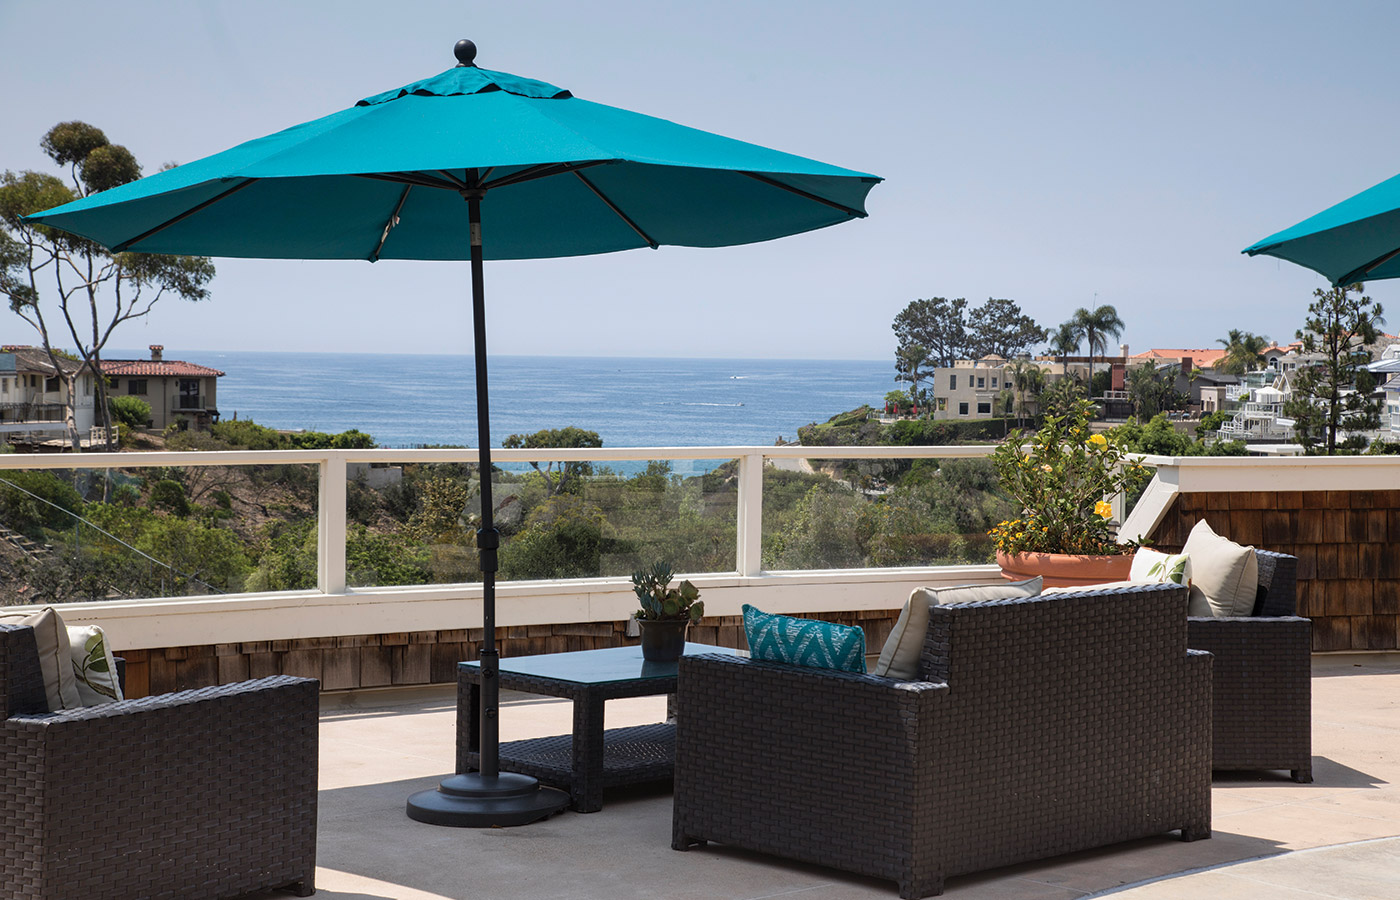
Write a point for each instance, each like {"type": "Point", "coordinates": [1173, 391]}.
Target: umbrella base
{"type": "Point", "coordinates": [473, 800]}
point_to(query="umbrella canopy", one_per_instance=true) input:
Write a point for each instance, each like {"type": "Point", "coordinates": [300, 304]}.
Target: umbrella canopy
{"type": "Point", "coordinates": [382, 180]}
{"type": "Point", "coordinates": [1356, 240]}
{"type": "Point", "coordinates": [542, 174]}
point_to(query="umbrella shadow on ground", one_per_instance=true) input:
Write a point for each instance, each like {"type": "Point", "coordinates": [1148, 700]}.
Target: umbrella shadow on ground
{"type": "Point", "coordinates": [624, 852]}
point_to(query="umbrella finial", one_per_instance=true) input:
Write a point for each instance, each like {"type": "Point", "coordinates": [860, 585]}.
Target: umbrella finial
{"type": "Point", "coordinates": [465, 51]}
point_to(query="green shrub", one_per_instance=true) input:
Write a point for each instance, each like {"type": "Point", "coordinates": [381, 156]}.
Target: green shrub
{"type": "Point", "coordinates": [133, 412]}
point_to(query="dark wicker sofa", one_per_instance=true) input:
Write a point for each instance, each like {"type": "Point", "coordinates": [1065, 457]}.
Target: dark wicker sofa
{"type": "Point", "coordinates": [1040, 726]}
{"type": "Point", "coordinates": [1262, 692]}
{"type": "Point", "coordinates": [200, 794]}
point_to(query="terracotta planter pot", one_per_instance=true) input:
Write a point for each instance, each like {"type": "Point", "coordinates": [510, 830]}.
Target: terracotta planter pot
{"type": "Point", "coordinates": [1065, 569]}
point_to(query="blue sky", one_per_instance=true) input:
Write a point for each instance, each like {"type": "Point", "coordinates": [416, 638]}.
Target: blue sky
{"type": "Point", "coordinates": [1062, 155]}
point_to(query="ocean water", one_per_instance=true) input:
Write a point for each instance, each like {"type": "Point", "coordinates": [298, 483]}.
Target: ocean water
{"type": "Point", "coordinates": [414, 400]}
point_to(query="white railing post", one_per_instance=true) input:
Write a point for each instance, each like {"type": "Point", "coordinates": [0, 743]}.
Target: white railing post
{"type": "Point", "coordinates": [749, 552]}
{"type": "Point", "coordinates": [330, 525]}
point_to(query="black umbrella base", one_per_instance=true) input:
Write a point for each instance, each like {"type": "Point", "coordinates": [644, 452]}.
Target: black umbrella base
{"type": "Point", "coordinates": [474, 800]}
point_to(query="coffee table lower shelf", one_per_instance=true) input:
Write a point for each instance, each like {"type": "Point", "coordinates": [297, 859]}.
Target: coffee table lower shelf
{"type": "Point", "coordinates": [635, 755]}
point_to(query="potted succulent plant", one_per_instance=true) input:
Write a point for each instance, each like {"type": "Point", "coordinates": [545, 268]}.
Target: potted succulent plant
{"type": "Point", "coordinates": [1059, 481]}
{"type": "Point", "coordinates": [666, 611]}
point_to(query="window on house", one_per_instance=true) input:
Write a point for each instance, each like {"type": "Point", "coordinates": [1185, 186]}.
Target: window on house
{"type": "Point", "coordinates": [4, 385]}
{"type": "Point", "coordinates": [994, 382]}
{"type": "Point", "coordinates": [112, 382]}
{"type": "Point", "coordinates": [942, 404]}
{"type": "Point", "coordinates": [981, 382]}
{"type": "Point", "coordinates": [189, 393]}
{"type": "Point", "coordinates": [962, 409]}
{"type": "Point", "coordinates": [136, 386]}
{"type": "Point", "coordinates": [51, 384]}
{"type": "Point", "coordinates": [87, 386]}
{"type": "Point", "coordinates": [952, 382]}
{"type": "Point", "coordinates": [984, 409]}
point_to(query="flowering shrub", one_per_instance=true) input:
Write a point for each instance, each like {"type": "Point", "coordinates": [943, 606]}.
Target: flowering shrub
{"type": "Point", "coordinates": [1059, 481]}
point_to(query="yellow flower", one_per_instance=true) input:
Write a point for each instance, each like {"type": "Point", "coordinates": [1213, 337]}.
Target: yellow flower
{"type": "Point", "coordinates": [1103, 508]}
{"type": "Point", "coordinates": [1099, 439]}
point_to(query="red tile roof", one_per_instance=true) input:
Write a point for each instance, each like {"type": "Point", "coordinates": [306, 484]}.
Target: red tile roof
{"type": "Point", "coordinates": [1204, 358]}
{"type": "Point", "coordinates": [174, 368]}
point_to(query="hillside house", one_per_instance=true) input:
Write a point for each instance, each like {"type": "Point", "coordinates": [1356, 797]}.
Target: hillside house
{"type": "Point", "coordinates": [178, 391]}
{"type": "Point", "coordinates": [34, 400]}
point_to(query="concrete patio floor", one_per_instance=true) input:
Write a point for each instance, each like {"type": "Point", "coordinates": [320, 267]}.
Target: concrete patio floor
{"type": "Point", "coordinates": [1336, 838]}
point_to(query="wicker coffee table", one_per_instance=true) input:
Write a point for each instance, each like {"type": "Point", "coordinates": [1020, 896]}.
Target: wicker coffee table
{"type": "Point", "coordinates": [591, 759]}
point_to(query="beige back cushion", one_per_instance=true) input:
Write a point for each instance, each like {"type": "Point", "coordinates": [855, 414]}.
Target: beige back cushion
{"type": "Point", "coordinates": [899, 658]}
{"type": "Point", "coordinates": [1224, 575]}
{"type": "Point", "coordinates": [55, 658]}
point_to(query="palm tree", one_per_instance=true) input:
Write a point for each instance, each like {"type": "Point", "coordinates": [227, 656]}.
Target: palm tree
{"type": "Point", "coordinates": [908, 360]}
{"type": "Point", "coordinates": [1026, 378]}
{"type": "Point", "coordinates": [1065, 342]}
{"type": "Point", "coordinates": [1097, 326]}
{"type": "Point", "coordinates": [1244, 352]}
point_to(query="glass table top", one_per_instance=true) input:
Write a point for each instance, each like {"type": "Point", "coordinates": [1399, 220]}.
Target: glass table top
{"type": "Point", "coordinates": [611, 664]}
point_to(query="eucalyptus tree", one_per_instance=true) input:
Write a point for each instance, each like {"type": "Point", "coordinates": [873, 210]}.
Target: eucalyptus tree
{"type": "Point", "coordinates": [67, 287]}
{"type": "Point", "coordinates": [939, 325]}
{"type": "Point", "coordinates": [1097, 326]}
{"type": "Point", "coordinates": [998, 327]}
{"type": "Point", "coordinates": [1333, 393]}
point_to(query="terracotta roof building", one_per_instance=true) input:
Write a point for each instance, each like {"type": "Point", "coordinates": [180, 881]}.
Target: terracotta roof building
{"type": "Point", "coordinates": [177, 391]}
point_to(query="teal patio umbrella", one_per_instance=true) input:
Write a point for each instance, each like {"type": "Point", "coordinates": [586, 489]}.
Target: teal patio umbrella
{"type": "Point", "coordinates": [1356, 240]}
{"type": "Point", "coordinates": [472, 165]}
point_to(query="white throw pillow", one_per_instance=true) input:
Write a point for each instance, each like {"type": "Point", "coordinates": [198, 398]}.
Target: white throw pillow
{"type": "Point", "coordinates": [55, 659]}
{"type": "Point", "coordinates": [1154, 566]}
{"type": "Point", "coordinates": [1224, 575]}
{"type": "Point", "coordinates": [94, 668]}
{"type": "Point", "coordinates": [899, 658]}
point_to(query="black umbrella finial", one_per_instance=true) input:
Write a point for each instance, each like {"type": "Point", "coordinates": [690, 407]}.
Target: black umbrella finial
{"type": "Point", "coordinates": [465, 51]}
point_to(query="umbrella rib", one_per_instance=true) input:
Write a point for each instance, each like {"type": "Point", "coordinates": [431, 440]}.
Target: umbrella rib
{"type": "Point", "coordinates": [545, 170]}
{"type": "Point", "coordinates": [620, 214]}
{"type": "Point", "coordinates": [389, 225]}
{"type": "Point", "coordinates": [1359, 272]}
{"type": "Point", "coordinates": [122, 247]}
{"type": "Point", "coordinates": [409, 178]}
{"type": "Point", "coordinates": [860, 214]}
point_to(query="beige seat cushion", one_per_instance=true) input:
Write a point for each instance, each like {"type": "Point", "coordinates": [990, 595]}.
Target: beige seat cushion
{"type": "Point", "coordinates": [899, 658]}
{"type": "Point", "coordinates": [1224, 575]}
{"type": "Point", "coordinates": [55, 658]}
{"type": "Point", "coordinates": [1081, 588]}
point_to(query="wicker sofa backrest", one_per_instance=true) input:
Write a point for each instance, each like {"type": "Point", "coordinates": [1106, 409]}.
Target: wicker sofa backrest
{"type": "Point", "coordinates": [21, 680]}
{"type": "Point", "coordinates": [1281, 598]}
{"type": "Point", "coordinates": [1071, 638]}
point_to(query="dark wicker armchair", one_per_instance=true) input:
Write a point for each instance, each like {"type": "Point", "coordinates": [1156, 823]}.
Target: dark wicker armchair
{"type": "Point", "coordinates": [1040, 727]}
{"type": "Point", "coordinates": [1262, 693]}
{"type": "Point", "coordinates": [201, 794]}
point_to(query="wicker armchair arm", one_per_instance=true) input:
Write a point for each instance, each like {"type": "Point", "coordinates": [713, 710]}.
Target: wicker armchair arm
{"type": "Point", "coordinates": [276, 686]}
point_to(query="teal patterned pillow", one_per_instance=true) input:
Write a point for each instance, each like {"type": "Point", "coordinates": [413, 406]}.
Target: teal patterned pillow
{"type": "Point", "coordinates": [804, 642]}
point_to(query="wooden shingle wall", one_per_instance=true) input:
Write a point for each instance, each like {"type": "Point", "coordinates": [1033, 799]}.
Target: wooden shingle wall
{"type": "Point", "coordinates": [413, 658]}
{"type": "Point", "coordinates": [1348, 549]}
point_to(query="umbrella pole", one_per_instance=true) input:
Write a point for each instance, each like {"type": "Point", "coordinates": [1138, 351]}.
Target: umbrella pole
{"type": "Point", "coordinates": [486, 798]}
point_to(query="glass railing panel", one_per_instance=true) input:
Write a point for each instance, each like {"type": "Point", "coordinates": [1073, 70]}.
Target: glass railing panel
{"type": "Point", "coordinates": [878, 513]}
{"type": "Point", "coordinates": [83, 535]}
{"type": "Point", "coordinates": [415, 523]}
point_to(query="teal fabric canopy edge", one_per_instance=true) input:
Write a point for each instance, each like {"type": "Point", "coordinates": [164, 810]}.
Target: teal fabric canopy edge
{"type": "Point", "coordinates": [497, 129]}
{"type": "Point", "coordinates": [1345, 243]}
